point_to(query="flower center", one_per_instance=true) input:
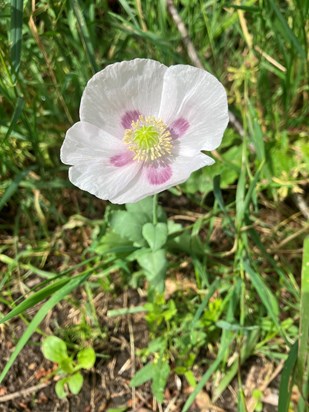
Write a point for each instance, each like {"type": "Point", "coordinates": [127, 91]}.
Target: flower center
{"type": "Point", "coordinates": [148, 138]}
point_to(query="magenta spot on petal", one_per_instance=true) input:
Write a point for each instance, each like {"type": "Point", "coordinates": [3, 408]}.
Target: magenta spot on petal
{"type": "Point", "coordinates": [129, 117]}
{"type": "Point", "coordinates": [122, 159]}
{"type": "Point", "coordinates": [159, 175]}
{"type": "Point", "coordinates": [179, 127]}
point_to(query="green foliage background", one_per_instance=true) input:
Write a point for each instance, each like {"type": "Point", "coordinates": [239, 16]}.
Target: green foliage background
{"type": "Point", "coordinates": [248, 291]}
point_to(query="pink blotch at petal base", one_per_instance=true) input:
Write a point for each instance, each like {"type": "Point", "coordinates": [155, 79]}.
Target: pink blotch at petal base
{"type": "Point", "coordinates": [122, 159]}
{"type": "Point", "coordinates": [159, 175]}
{"type": "Point", "coordinates": [179, 127]}
{"type": "Point", "coordinates": [129, 117]}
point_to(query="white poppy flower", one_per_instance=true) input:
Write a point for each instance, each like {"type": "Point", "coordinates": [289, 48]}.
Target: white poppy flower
{"type": "Point", "coordinates": [142, 129]}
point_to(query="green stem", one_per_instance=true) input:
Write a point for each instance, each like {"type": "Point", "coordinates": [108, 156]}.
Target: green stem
{"type": "Point", "coordinates": [155, 209]}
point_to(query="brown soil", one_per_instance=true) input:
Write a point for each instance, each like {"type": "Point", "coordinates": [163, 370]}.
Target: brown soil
{"type": "Point", "coordinates": [106, 386]}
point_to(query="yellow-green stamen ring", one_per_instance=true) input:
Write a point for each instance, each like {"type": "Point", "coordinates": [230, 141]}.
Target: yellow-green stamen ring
{"type": "Point", "coordinates": [148, 138]}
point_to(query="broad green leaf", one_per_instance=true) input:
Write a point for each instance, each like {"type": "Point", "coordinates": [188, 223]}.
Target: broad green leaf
{"type": "Point", "coordinates": [159, 379]}
{"type": "Point", "coordinates": [157, 345]}
{"type": "Point", "coordinates": [86, 358]}
{"type": "Point", "coordinates": [75, 382]}
{"type": "Point", "coordinates": [145, 207]}
{"type": "Point", "coordinates": [143, 375]}
{"type": "Point", "coordinates": [129, 225]}
{"type": "Point", "coordinates": [113, 243]}
{"type": "Point", "coordinates": [155, 265]}
{"type": "Point", "coordinates": [191, 245]}
{"type": "Point", "coordinates": [60, 389]}
{"type": "Point", "coordinates": [54, 349]}
{"type": "Point", "coordinates": [155, 235]}
{"type": "Point", "coordinates": [66, 366]}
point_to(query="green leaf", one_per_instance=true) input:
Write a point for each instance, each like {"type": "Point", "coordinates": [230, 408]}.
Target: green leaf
{"type": "Point", "coordinates": [54, 349]}
{"type": "Point", "coordinates": [145, 207]}
{"type": "Point", "coordinates": [129, 225]}
{"type": "Point", "coordinates": [159, 379]}
{"type": "Point", "coordinates": [154, 264]}
{"type": "Point", "coordinates": [155, 235]}
{"type": "Point", "coordinates": [86, 358]}
{"type": "Point", "coordinates": [66, 366]}
{"type": "Point", "coordinates": [75, 382]}
{"type": "Point", "coordinates": [60, 389]}
{"type": "Point", "coordinates": [113, 243]}
{"type": "Point", "coordinates": [143, 375]}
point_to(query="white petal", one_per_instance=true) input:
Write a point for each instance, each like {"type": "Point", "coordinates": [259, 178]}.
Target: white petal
{"type": "Point", "coordinates": [197, 97]}
{"type": "Point", "coordinates": [181, 169]}
{"type": "Point", "coordinates": [85, 142]}
{"type": "Point", "coordinates": [120, 88]}
{"type": "Point", "coordinates": [102, 179]}
{"type": "Point", "coordinates": [101, 164]}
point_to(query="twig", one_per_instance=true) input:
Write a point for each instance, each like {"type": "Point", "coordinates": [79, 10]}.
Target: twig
{"type": "Point", "coordinates": [23, 392]}
{"type": "Point", "coordinates": [252, 403]}
{"type": "Point", "coordinates": [301, 204]}
{"type": "Point", "coordinates": [193, 56]}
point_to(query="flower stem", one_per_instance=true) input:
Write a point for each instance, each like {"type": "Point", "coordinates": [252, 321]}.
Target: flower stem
{"type": "Point", "coordinates": [155, 209]}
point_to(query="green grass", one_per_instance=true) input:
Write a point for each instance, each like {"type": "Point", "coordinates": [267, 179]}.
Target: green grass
{"type": "Point", "coordinates": [242, 234]}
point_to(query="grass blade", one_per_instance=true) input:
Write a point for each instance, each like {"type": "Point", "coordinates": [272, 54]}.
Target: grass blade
{"type": "Point", "coordinates": [84, 33]}
{"type": "Point", "coordinates": [16, 32]}
{"type": "Point", "coordinates": [286, 31]}
{"type": "Point", "coordinates": [16, 115]}
{"type": "Point", "coordinates": [34, 299]}
{"type": "Point", "coordinates": [38, 318]}
{"type": "Point", "coordinates": [204, 303]}
{"type": "Point", "coordinates": [11, 189]}
{"type": "Point", "coordinates": [214, 366]}
{"type": "Point", "coordinates": [285, 388]}
{"type": "Point", "coordinates": [264, 293]}
{"type": "Point", "coordinates": [303, 351]}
